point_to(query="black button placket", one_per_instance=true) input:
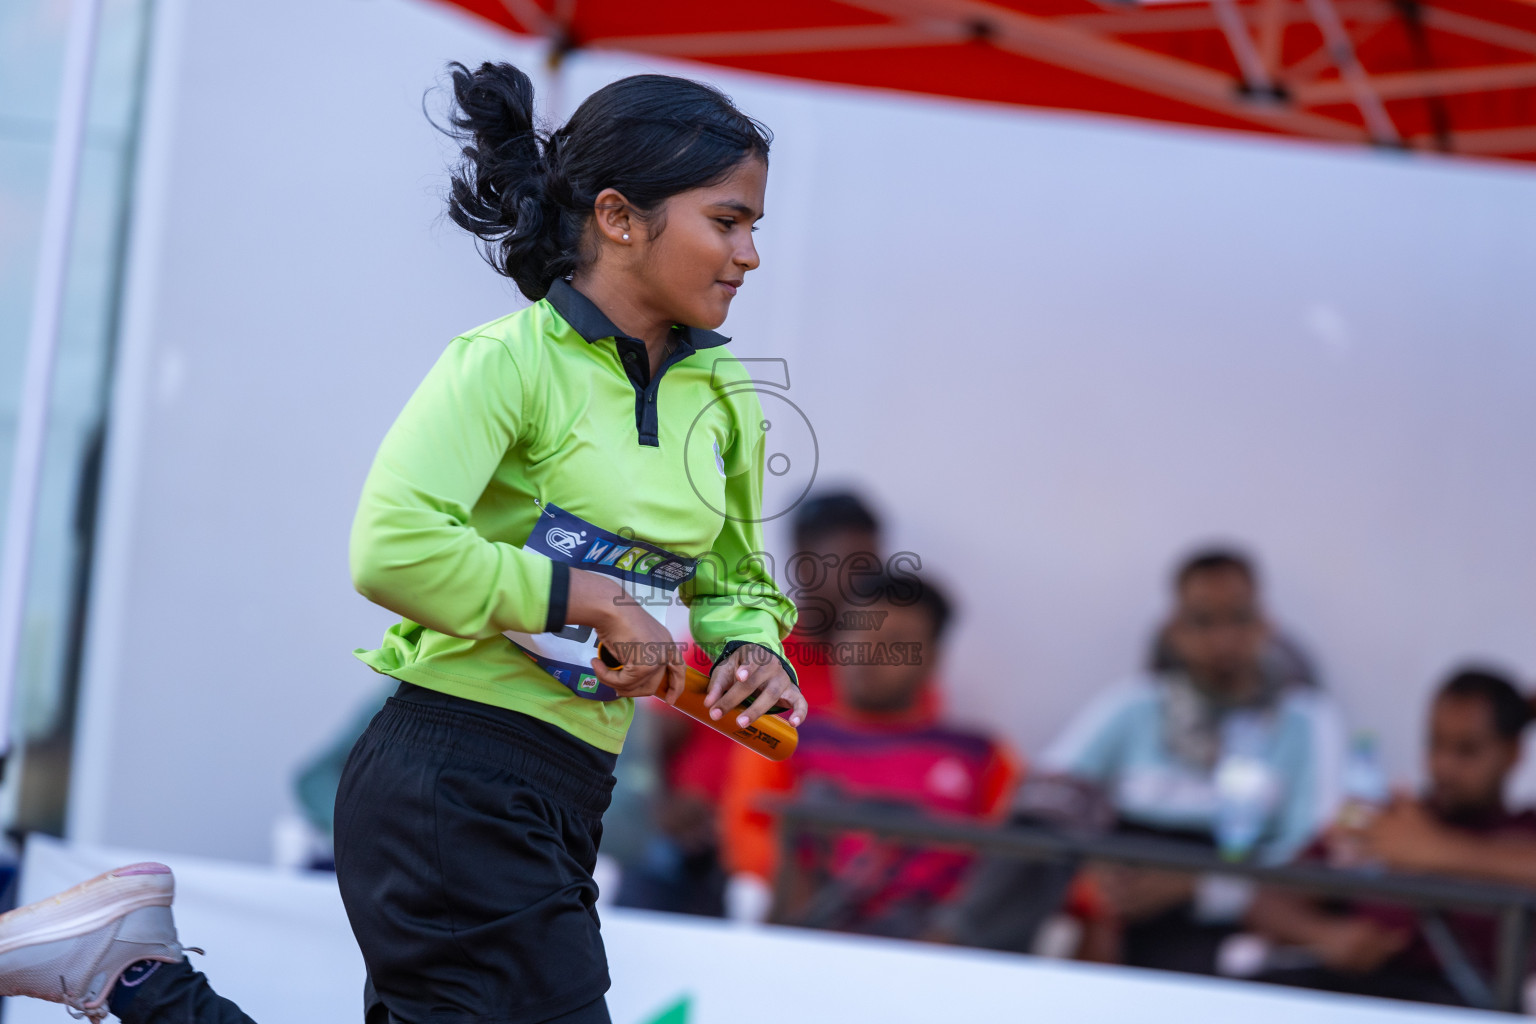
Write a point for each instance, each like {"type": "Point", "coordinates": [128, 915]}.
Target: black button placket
{"type": "Point", "coordinates": [637, 368]}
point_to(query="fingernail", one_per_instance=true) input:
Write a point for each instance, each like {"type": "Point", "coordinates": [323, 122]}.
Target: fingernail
{"type": "Point", "coordinates": [741, 720]}
{"type": "Point", "coordinates": [715, 713]}
{"type": "Point", "coordinates": [794, 719]}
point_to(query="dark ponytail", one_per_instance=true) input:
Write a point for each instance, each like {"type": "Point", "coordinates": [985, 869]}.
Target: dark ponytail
{"type": "Point", "coordinates": [527, 194]}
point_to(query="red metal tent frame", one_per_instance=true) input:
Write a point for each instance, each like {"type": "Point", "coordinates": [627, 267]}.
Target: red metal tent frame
{"type": "Point", "coordinates": [1457, 76]}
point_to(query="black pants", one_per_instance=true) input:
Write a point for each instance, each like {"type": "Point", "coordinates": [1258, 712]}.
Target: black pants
{"type": "Point", "coordinates": [173, 994]}
{"type": "Point", "coordinates": [465, 841]}
{"type": "Point", "coordinates": [177, 994]}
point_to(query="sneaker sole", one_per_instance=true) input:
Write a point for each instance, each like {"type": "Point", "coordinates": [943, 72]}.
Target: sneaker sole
{"type": "Point", "coordinates": [88, 906]}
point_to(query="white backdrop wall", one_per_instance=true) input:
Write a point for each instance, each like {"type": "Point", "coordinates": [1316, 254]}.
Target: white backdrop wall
{"type": "Point", "coordinates": [1056, 351]}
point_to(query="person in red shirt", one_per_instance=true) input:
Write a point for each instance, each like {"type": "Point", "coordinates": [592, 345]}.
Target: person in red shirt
{"type": "Point", "coordinates": [1460, 826]}
{"type": "Point", "coordinates": [878, 743]}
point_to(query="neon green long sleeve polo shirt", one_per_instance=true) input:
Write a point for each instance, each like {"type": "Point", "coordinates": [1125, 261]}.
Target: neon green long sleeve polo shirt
{"type": "Point", "coordinates": [554, 403]}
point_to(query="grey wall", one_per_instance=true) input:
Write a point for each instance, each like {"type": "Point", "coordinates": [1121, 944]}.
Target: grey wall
{"type": "Point", "coordinates": [1056, 350]}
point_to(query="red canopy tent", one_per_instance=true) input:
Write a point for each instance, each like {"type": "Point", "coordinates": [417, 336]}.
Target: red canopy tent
{"type": "Point", "coordinates": [1456, 76]}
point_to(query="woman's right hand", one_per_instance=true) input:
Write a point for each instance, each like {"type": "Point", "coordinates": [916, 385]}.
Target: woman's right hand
{"type": "Point", "coordinates": [653, 661]}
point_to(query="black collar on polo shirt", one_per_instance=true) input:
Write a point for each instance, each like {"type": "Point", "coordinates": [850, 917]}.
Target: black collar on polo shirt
{"type": "Point", "coordinates": [593, 325]}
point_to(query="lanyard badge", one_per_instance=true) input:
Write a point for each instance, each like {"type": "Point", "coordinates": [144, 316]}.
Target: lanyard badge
{"type": "Point", "coordinates": [648, 573]}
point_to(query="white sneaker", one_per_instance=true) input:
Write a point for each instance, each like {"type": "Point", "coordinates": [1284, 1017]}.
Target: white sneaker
{"type": "Point", "coordinates": [71, 948]}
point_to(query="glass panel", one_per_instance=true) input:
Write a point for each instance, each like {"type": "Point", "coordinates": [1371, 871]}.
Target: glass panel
{"type": "Point", "coordinates": [48, 672]}
{"type": "Point", "coordinates": [31, 59]}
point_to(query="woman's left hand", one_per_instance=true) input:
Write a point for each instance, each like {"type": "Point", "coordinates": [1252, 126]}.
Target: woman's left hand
{"type": "Point", "coordinates": [747, 670]}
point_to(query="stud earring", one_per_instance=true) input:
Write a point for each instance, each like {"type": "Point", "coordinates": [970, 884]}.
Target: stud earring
{"type": "Point", "coordinates": [626, 238]}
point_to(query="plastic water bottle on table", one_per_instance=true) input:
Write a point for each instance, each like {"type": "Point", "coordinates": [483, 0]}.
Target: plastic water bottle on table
{"type": "Point", "coordinates": [1365, 793]}
{"type": "Point", "coordinates": [1246, 785]}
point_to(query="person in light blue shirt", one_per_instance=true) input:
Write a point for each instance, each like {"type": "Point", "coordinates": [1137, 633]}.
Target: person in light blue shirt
{"type": "Point", "coordinates": [1153, 744]}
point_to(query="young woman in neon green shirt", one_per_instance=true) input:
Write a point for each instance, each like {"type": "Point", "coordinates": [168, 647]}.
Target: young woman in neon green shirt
{"type": "Point", "coordinates": [557, 472]}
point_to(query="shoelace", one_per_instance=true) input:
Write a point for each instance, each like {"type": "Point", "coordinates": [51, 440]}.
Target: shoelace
{"type": "Point", "coordinates": [79, 1012]}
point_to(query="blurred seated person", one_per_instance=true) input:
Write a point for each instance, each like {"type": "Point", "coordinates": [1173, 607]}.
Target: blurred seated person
{"type": "Point", "coordinates": [878, 744]}
{"type": "Point", "coordinates": [1461, 826]}
{"type": "Point", "coordinates": [1153, 743]}
{"type": "Point", "coordinates": [678, 869]}
{"type": "Point", "coordinates": [837, 545]}
{"type": "Point", "coordinates": [1283, 657]}
{"type": "Point", "coordinates": [836, 537]}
